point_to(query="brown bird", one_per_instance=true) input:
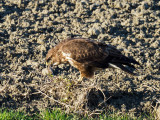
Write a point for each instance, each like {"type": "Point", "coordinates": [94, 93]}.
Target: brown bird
{"type": "Point", "coordinates": [88, 56]}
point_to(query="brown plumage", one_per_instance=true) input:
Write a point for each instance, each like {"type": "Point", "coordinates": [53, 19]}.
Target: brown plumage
{"type": "Point", "coordinates": [88, 56]}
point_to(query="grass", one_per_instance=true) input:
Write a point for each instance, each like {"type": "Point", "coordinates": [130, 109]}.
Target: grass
{"type": "Point", "coordinates": [60, 115]}
{"type": "Point", "coordinates": [55, 115]}
{"type": "Point", "coordinates": [14, 115]}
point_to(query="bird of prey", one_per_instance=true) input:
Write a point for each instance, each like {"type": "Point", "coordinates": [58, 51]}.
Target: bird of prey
{"type": "Point", "coordinates": [88, 56]}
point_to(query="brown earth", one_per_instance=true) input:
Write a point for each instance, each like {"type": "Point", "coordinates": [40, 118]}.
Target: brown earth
{"type": "Point", "coordinates": [28, 29]}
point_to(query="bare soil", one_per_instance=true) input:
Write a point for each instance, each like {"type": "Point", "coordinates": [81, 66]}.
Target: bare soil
{"type": "Point", "coordinates": [29, 28]}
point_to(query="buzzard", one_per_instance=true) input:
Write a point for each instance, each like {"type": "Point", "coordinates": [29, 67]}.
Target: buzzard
{"type": "Point", "coordinates": [88, 56]}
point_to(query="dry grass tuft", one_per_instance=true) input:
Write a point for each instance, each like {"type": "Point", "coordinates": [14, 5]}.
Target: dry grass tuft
{"type": "Point", "coordinates": [78, 98]}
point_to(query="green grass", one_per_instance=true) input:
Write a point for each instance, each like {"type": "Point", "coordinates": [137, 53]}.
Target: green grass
{"type": "Point", "coordinates": [14, 115]}
{"type": "Point", "coordinates": [57, 114]}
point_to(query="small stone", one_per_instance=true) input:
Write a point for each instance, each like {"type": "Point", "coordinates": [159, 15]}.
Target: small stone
{"type": "Point", "coordinates": [45, 71]}
{"type": "Point", "coordinates": [118, 5]}
{"type": "Point", "coordinates": [40, 41]}
{"type": "Point", "coordinates": [25, 24]}
{"type": "Point", "coordinates": [93, 31]}
{"type": "Point", "coordinates": [155, 44]}
{"type": "Point", "coordinates": [136, 21]}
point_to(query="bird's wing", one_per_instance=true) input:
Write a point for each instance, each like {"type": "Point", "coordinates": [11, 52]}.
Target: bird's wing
{"type": "Point", "coordinates": [113, 51]}
{"type": "Point", "coordinates": [117, 57]}
{"type": "Point", "coordinates": [84, 51]}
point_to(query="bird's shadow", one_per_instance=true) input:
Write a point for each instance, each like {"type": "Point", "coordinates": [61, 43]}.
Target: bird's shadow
{"type": "Point", "coordinates": [64, 70]}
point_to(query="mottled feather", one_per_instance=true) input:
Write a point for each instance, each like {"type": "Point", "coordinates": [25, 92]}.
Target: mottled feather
{"type": "Point", "coordinates": [84, 51]}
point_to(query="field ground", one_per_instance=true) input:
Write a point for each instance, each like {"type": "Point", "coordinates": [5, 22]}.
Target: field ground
{"type": "Point", "coordinates": [28, 29]}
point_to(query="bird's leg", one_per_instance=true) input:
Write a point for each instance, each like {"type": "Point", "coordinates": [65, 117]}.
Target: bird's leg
{"type": "Point", "coordinates": [79, 80]}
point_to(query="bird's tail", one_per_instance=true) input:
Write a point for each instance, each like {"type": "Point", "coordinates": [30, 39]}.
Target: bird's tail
{"type": "Point", "coordinates": [124, 63]}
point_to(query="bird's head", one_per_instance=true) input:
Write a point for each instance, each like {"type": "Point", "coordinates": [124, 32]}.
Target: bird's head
{"type": "Point", "coordinates": [51, 58]}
